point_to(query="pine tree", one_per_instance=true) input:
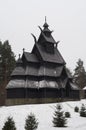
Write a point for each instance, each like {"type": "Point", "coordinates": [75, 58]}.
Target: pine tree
{"type": "Point", "coordinates": [7, 64]}
{"type": "Point", "coordinates": [7, 55]}
{"type": "Point", "coordinates": [59, 119]}
{"type": "Point", "coordinates": [80, 74]}
{"type": "Point", "coordinates": [31, 122]}
{"type": "Point", "coordinates": [9, 124]}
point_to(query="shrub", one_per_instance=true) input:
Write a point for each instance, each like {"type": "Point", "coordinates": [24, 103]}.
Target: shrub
{"type": "Point", "coordinates": [31, 122]}
{"type": "Point", "coordinates": [83, 111]}
{"type": "Point", "coordinates": [67, 114]}
{"type": "Point", "coordinates": [9, 124]}
{"type": "Point", "coordinates": [59, 119]}
{"type": "Point", "coordinates": [76, 109]}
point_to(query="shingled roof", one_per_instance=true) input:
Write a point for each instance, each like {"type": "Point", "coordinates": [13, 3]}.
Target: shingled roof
{"type": "Point", "coordinates": [50, 71]}
{"type": "Point", "coordinates": [30, 57]}
{"type": "Point", "coordinates": [50, 57]}
{"type": "Point", "coordinates": [31, 70]}
{"type": "Point", "coordinates": [43, 71]}
{"type": "Point", "coordinates": [74, 86]}
{"type": "Point", "coordinates": [18, 71]}
{"type": "Point", "coordinates": [16, 83]}
{"type": "Point", "coordinates": [49, 39]}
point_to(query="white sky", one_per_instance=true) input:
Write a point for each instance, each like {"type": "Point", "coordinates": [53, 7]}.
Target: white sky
{"type": "Point", "coordinates": [20, 18]}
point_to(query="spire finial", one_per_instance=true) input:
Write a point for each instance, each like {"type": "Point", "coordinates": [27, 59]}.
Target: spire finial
{"type": "Point", "coordinates": [45, 19]}
{"type": "Point", "coordinates": [45, 24]}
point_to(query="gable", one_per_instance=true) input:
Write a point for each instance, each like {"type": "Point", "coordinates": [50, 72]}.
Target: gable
{"type": "Point", "coordinates": [50, 57]}
{"type": "Point", "coordinates": [30, 57]}
{"type": "Point", "coordinates": [43, 38]}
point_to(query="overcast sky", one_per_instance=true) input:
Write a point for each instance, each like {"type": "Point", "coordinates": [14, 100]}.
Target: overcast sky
{"type": "Point", "coordinates": [20, 18]}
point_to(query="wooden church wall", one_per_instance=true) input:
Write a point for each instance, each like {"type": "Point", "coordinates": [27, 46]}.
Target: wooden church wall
{"type": "Point", "coordinates": [33, 93]}
{"type": "Point", "coordinates": [17, 92]}
{"type": "Point", "coordinates": [43, 95]}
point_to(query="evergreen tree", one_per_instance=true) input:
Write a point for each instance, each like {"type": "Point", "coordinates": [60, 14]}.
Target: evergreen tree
{"type": "Point", "coordinates": [59, 119]}
{"type": "Point", "coordinates": [31, 122]}
{"type": "Point", "coordinates": [9, 124]}
{"type": "Point", "coordinates": [8, 60]}
{"type": "Point", "coordinates": [7, 64]}
{"type": "Point", "coordinates": [80, 74]}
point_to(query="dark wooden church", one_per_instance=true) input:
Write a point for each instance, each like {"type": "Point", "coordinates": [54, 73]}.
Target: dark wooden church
{"type": "Point", "coordinates": [41, 76]}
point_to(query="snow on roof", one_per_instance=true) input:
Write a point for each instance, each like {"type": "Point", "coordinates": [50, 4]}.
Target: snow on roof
{"type": "Point", "coordinates": [74, 86]}
{"type": "Point", "coordinates": [84, 88]}
{"type": "Point", "coordinates": [20, 83]}
{"type": "Point", "coordinates": [16, 83]}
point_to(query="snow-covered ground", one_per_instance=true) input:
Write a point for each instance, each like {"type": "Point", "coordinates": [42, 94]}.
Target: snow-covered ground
{"type": "Point", "coordinates": [44, 114]}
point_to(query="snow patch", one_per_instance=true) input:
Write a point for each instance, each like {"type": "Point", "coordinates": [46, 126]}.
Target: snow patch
{"type": "Point", "coordinates": [44, 114]}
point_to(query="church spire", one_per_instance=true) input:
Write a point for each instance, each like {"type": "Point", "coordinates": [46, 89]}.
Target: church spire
{"type": "Point", "coordinates": [46, 35]}
{"type": "Point", "coordinates": [46, 30]}
{"type": "Point", "coordinates": [45, 19]}
{"type": "Point", "coordinates": [45, 24]}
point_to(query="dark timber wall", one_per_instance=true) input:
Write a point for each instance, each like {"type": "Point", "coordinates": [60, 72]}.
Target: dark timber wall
{"type": "Point", "coordinates": [33, 93]}
{"type": "Point", "coordinates": [43, 95]}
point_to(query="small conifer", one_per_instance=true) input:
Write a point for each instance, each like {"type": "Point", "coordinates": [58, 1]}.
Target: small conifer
{"type": "Point", "coordinates": [59, 119]}
{"type": "Point", "coordinates": [9, 124]}
{"type": "Point", "coordinates": [83, 111]}
{"type": "Point", "coordinates": [31, 122]}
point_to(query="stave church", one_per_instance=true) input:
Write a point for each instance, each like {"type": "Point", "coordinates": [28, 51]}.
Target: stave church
{"type": "Point", "coordinates": [41, 76]}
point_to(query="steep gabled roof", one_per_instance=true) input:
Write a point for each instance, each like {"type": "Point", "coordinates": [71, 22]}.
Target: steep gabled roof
{"type": "Point", "coordinates": [19, 70]}
{"type": "Point", "coordinates": [50, 57]}
{"type": "Point", "coordinates": [30, 57]}
{"type": "Point", "coordinates": [42, 46]}
{"type": "Point", "coordinates": [49, 39]}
